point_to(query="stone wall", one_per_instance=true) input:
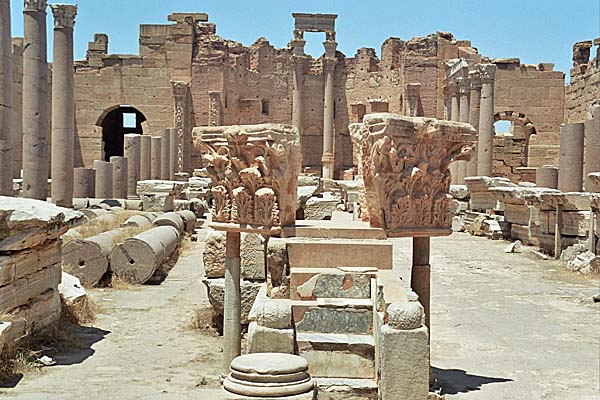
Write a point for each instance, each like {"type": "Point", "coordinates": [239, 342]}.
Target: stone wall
{"type": "Point", "coordinates": [585, 80]}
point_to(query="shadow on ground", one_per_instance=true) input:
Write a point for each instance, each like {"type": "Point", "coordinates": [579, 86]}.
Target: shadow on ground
{"type": "Point", "coordinates": [86, 337]}
{"type": "Point", "coordinates": [454, 381]}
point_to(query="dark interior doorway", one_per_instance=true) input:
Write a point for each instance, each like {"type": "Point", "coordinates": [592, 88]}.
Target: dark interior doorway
{"type": "Point", "coordinates": [116, 123]}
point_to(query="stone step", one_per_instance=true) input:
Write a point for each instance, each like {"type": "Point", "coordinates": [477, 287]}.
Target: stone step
{"type": "Point", "coordinates": [333, 253]}
{"type": "Point", "coordinates": [331, 355]}
{"type": "Point", "coordinates": [353, 316]}
{"type": "Point", "coordinates": [313, 283]}
{"type": "Point", "coordinates": [346, 388]}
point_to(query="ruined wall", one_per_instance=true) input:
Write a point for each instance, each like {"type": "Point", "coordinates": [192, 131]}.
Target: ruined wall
{"type": "Point", "coordinates": [584, 87]}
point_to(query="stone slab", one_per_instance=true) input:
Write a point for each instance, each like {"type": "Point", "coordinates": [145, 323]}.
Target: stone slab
{"type": "Point", "coordinates": [339, 253]}
{"type": "Point", "coordinates": [332, 320]}
{"type": "Point", "coordinates": [312, 283]}
{"type": "Point", "coordinates": [268, 340]}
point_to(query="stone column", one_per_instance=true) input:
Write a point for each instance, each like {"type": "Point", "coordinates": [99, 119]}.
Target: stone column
{"type": "Point", "coordinates": [570, 168]}
{"type": "Point", "coordinates": [485, 142]}
{"type": "Point", "coordinates": [119, 175]}
{"type": "Point", "coordinates": [63, 105]}
{"type": "Point", "coordinates": [17, 107]}
{"type": "Point", "coordinates": [145, 157]}
{"type": "Point", "coordinates": [327, 160]}
{"type": "Point", "coordinates": [454, 116]}
{"type": "Point", "coordinates": [421, 272]}
{"type": "Point", "coordinates": [165, 163]}
{"type": "Point", "coordinates": [155, 146]}
{"type": "Point", "coordinates": [174, 151]}
{"type": "Point", "coordinates": [84, 183]}
{"type": "Point", "coordinates": [232, 330]}
{"type": "Point", "coordinates": [104, 179]}
{"type": "Point", "coordinates": [463, 98]}
{"type": "Point", "coordinates": [592, 143]}
{"type": "Point", "coordinates": [6, 80]}
{"type": "Point", "coordinates": [214, 108]}
{"type": "Point", "coordinates": [546, 176]}
{"type": "Point", "coordinates": [298, 80]}
{"type": "Point", "coordinates": [35, 102]}
{"type": "Point", "coordinates": [131, 150]}
{"type": "Point", "coordinates": [180, 94]}
{"type": "Point", "coordinates": [474, 109]}
{"type": "Point", "coordinates": [413, 96]}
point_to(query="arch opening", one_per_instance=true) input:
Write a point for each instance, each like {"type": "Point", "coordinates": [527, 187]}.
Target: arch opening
{"type": "Point", "coordinates": [116, 122]}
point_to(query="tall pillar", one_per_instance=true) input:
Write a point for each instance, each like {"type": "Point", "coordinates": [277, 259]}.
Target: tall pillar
{"type": "Point", "coordinates": [145, 157]}
{"type": "Point", "coordinates": [298, 79]}
{"type": "Point", "coordinates": [63, 105]}
{"type": "Point", "coordinates": [6, 80]}
{"type": "Point", "coordinates": [17, 106]}
{"type": "Point", "coordinates": [104, 179]}
{"type": "Point", "coordinates": [232, 329]}
{"type": "Point", "coordinates": [84, 183]}
{"type": "Point", "coordinates": [570, 163]}
{"type": "Point", "coordinates": [165, 163]}
{"type": "Point", "coordinates": [131, 150]}
{"type": "Point", "coordinates": [413, 97]}
{"type": "Point", "coordinates": [485, 142]}
{"type": "Point", "coordinates": [180, 95]}
{"type": "Point", "coordinates": [474, 109]}
{"type": "Point", "coordinates": [155, 157]}
{"type": "Point", "coordinates": [35, 101]}
{"type": "Point", "coordinates": [119, 175]}
{"type": "Point", "coordinates": [174, 151]}
{"type": "Point", "coordinates": [463, 99]}
{"type": "Point", "coordinates": [592, 144]}
{"type": "Point", "coordinates": [454, 116]}
{"type": "Point", "coordinates": [327, 160]}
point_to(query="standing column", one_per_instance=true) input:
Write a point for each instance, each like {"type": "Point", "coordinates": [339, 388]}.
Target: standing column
{"type": "Point", "coordinates": [298, 79]}
{"type": "Point", "coordinates": [6, 80]}
{"type": "Point", "coordinates": [180, 94]}
{"type": "Point", "coordinates": [463, 98]}
{"type": "Point", "coordinates": [119, 174]}
{"type": "Point", "coordinates": [85, 183]}
{"type": "Point", "coordinates": [592, 144]}
{"type": "Point", "coordinates": [454, 116]}
{"type": "Point", "coordinates": [327, 160]}
{"type": "Point", "coordinates": [104, 179]}
{"type": "Point", "coordinates": [35, 101]}
{"type": "Point", "coordinates": [546, 176]}
{"type": "Point", "coordinates": [232, 333]}
{"type": "Point", "coordinates": [131, 149]}
{"type": "Point", "coordinates": [63, 105]}
{"type": "Point", "coordinates": [570, 162]}
{"type": "Point", "coordinates": [421, 271]}
{"type": "Point", "coordinates": [474, 108]}
{"type": "Point", "coordinates": [165, 163]}
{"type": "Point", "coordinates": [145, 157]}
{"type": "Point", "coordinates": [17, 107]}
{"type": "Point", "coordinates": [485, 141]}
{"type": "Point", "coordinates": [155, 146]}
{"type": "Point", "coordinates": [413, 97]}
{"type": "Point", "coordinates": [174, 150]}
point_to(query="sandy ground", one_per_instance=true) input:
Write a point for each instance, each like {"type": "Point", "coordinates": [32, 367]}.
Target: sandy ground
{"type": "Point", "coordinates": [504, 326]}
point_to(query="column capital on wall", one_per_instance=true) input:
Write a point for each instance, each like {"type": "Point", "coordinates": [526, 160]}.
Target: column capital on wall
{"type": "Point", "coordinates": [34, 5]}
{"type": "Point", "coordinates": [64, 15]}
{"type": "Point", "coordinates": [488, 72]}
{"type": "Point", "coordinates": [475, 79]}
{"type": "Point", "coordinates": [180, 88]}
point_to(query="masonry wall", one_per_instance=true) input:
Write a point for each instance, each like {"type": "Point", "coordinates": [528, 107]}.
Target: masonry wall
{"type": "Point", "coordinates": [584, 87]}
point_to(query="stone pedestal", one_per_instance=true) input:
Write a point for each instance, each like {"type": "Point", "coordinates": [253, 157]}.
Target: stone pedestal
{"type": "Point", "coordinates": [173, 151]}
{"type": "Point", "coordinates": [131, 149]}
{"type": "Point", "coordinates": [547, 176]}
{"type": "Point", "coordinates": [104, 179]}
{"type": "Point", "coordinates": [165, 148]}
{"type": "Point", "coordinates": [35, 102]}
{"type": "Point", "coordinates": [6, 65]}
{"type": "Point", "coordinates": [485, 142]}
{"type": "Point", "coordinates": [119, 176]}
{"type": "Point", "coordinates": [63, 105]}
{"type": "Point", "coordinates": [145, 157]}
{"type": "Point", "coordinates": [592, 143]}
{"type": "Point", "coordinates": [84, 183]}
{"type": "Point", "coordinates": [474, 110]}
{"type": "Point", "coordinates": [155, 157]}
{"type": "Point", "coordinates": [570, 168]}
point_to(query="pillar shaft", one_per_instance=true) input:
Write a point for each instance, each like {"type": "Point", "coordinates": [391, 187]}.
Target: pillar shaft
{"type": "Point", "coordinates": [63, 106]}
{"type": "Point", "coordinates": [35, 101]}
{"type": "Point", "coordinates": [463, 98]}
{"type": "Point", "coordinates": [232, 305]}
{"type": "Point", "coordinates": [173, 150]}
{"type": "Point", "coordinates": [298, 81]}
{"type": "Point", "coordinates": [592, 144]}
{"type": "Point", "coordinates": [485, 142]}
{"type": "Point", "coordinates": [546, 176]}
{"type": "Point", "coordinates": [327, 159]}
{"type": "Point", "coordinates": [85, 183]}
{"type": "Point", "coordinates": [145, 157]}
{"type": "Point", "coordinates": [421, 271]}
{"type": "Point", "coordinates": [6, 79]}
{"type": "Point", "coordinates": [119, 176]}
{"type": "Point", "coordinates": [474, 109]}
{"type": "Point", "coordinates": [131, 150]}
{"type": "Point", "coordinates": [454, 116]}
{"type": "Point", "coordinates": [570, 168]}
{"type": "Point", "coordinates": [104, 179]}
{"type": "Point", "coordinates": [17, 107]}
{"type": "Point", "coordinates": [155, 157]}
{"type": "Point", "coordinates": [165, 148]}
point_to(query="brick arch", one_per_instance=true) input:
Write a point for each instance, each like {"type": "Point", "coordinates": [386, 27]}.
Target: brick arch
{"type": "Point", "coordinates": [518, 118]}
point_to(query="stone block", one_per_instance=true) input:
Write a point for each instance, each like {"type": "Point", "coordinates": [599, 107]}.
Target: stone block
{"type": "Point", "coordinates": [317, 208]}
{"type": "Point", "coordinates": [252, 255]}
{"type": "Point", "coordinates": [269, 340]}
{"type": "Point", "coordinates": [332, 320]}
{"type": "Point", "coordinates": [346, 389]}
{"type": "Point", "coordinates": [313, 283]}
{"type": "Point", "coordinates": [216, 295]}
{"type": "Point", "coordinates": [22, 290]}
{"type": "Point", "coordinates": [516, 214]}
{"type": "Point", "coordinates": [335, 253]}
{"type": "Point", "coordinates": [459, 192]}
{"type": "Point", "coordinates": [158, 202]}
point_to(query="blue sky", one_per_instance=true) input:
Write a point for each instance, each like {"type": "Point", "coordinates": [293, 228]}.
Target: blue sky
{"type": "Point", "coordinates": [533, 30]}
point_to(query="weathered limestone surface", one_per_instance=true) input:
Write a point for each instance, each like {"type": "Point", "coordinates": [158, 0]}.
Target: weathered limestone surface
{"type": "Point", "coordinates": [252, 253]}
{"type": "Point", "coordinates": [262, 339]}
{"type": "Point", "coordinates": [570, 172]}
{"type": "Point", "coordinates": [104, 179]}
{"type": "Point", "coordinates": [85, 183]}
{"type": "Point", "coordinates": [145, 157]}
{"type": "Point", "coordinates": [216, 295]}
{"type": "Point", "coordinates": [592, 144]}
{"type": "Point", "coordinates": [132, 151]}
{"type": "Point", "coordinates": [155, 157]}
{"type": "Point", "coordinates": [6, 81]}
{"type": "Point", "coordinates": [120, 181]}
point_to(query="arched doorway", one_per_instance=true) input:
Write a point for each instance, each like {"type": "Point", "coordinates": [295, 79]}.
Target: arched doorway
{"type": "Point", "coordinates": [511, 143]}
{"type": "Point", "coordinates": [116, 122]}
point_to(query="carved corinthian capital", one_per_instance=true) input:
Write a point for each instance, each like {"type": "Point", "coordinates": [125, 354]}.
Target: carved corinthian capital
{"type": "Point", "coordinates": [34, 5]}
{"type": "Point", "coordinates": [253, 169]}
{"type": "Point", "coordinates": [64, 15]}
{"type": "Point", "coordinates": [405, 169]}
{"type": "Point", "coordinates": [180, 88]}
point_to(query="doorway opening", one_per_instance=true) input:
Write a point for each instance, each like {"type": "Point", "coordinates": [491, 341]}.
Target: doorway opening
{"type": "Point", "coordinates": [117, 122]}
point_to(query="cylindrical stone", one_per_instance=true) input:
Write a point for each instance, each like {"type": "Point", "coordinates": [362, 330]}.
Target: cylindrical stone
{"type": "Point", "coordinates": [570, 168]}
{"type": "Point", "coordinates": [119, 165]}
{"type": "Point", "coordinates": [104, 179]}
{"type": "Point", "coordinates": [145, 157]}
{"type": "Point", "coordinates": [6, 80]}
{"type": "Point", "coordinates": [170, 219]}
{"type": "Point", "coordinates": [155, 157]}
{"type": "Point", "coordinates": [232, 330]}
{"type": "Point", "coordinates": [485, 142]}
{"type": "Point", "coordinates": [454, 116]}
{"type": "Point", "coordinates": [546, 176]}
{"type": "Point", "coordinates": [461, 165]}
{"type": "Point", "coordinates": [165, 164]}
{"type": "Point", "coordinates": [131, 149]}
{"type": "Point", "coordinates": [138, 221]}
{"type": "Point", "coordinates": [474, 109]}
{"type": "Point", "coordinates": [327, 158]}
{"type": "Point", "coordinates": [189, 220]}
{"type": "Point", "coordinates": [421, 271]}
{"type": "Point", "coordinates": [35, 102]}
{"type": "Point", "coordinates": [592, 144]}
{"type": "Point", "coordinates": [63, 105]}
{"type": "Point", "coordinates": [84, 182]}
{"type": "Point", "coordinates": [298, 79]}
{"type": "Point", "coordinates": [173, 150]}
